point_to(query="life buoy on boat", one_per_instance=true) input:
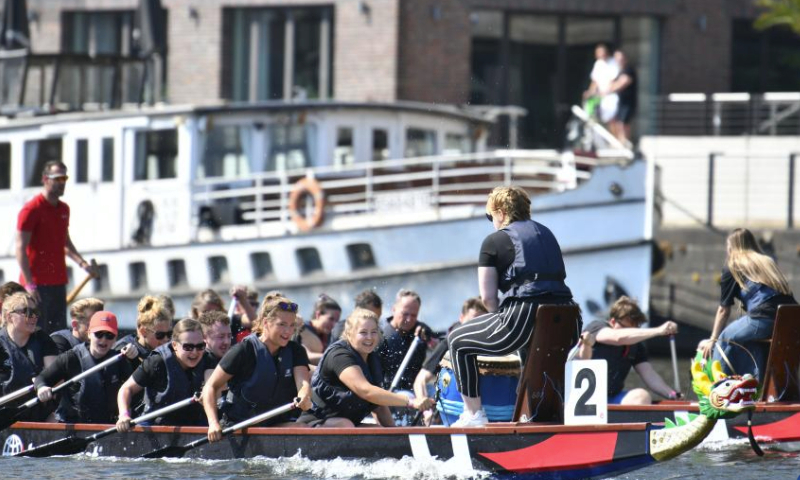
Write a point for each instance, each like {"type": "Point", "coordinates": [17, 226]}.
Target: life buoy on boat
{"type": "Point", "coordinates": [307, 186]}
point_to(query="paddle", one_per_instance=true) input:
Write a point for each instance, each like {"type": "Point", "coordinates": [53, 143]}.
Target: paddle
{"type": "Point", "coordinates": [8, 415]}
{"type": "Point", "coordinates": [674, 363]}
{"type": "Point", "coordinates": [232, 308]}
{"type": "Point", "coordinates": [177, 451]}
{"type": "Point", "coordinates": [75, 291]}
{"type": "Point", "coordinates": [404, 363]}
{"type": "Point", "coordinates": [16, 394]}
{"type": "Point", "coordinates": [73, 445]}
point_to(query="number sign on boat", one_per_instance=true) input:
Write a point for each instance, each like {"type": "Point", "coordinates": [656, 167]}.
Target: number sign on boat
{"type": "Point", "coordinates": [585, 401]}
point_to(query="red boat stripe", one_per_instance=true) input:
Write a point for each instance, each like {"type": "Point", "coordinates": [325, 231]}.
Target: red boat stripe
{"type": "Point", "coordinates": [564, 450]}
{"type": "Point", "coordinates": [786, 430]}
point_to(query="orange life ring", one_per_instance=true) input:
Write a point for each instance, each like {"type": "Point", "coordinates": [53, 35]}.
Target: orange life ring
{"type": "Point", "coordinates": [307, 186]}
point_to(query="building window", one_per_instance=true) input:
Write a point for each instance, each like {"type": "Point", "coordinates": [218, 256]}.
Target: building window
{"type": "Point", "coordinates": [380, 144]}
{"type": "Point", "coordinates": [82, 161]}
{"type": "Point", "coordinates": [138, 275]}
{"type": "Point", "coordinates": [176, 272]}
{"type": "Point", "coordinates": [218, 269]}
{"type": "Point", "coordinates": [420, 143]}
{"type": "Point", "coordinates": [5, 166]}
{"type": "Point", "coordinates": [277, 53]}
{"type": "Point", "coordinates": [37, 153]}
{"type": "Point", "coordinates": [344, 154]}
{"type": "Point", "coordinates": [309, 261]}
{"type": "Point", "coordinates": [227, 152]}
{"type": "Point", "coordinates": [360, 255]}
{"type": "Point", "coordinates": [262, 265]}
{"type": "Point", "coordinates": [100, 282]}
{"type": "Point", "coordinates": [764, 61]}
{"type": "Point", "coordinates": [108, 160]}
{"type": "Point", "coordinates": [156, 155]}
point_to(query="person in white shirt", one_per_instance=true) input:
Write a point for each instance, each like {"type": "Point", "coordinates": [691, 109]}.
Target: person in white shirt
{"type": "Point", "coordinates": [604, 71]}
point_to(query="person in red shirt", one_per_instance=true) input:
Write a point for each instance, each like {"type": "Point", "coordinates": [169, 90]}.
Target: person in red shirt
{"type": "Point", "coordinates": [42, 241]}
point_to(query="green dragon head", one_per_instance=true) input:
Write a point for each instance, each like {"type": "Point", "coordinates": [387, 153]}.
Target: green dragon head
{"type": "Point", "coordinates": [721, 396]}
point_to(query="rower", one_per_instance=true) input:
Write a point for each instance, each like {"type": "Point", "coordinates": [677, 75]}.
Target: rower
{"type": "Point", "coordinates": [93, 399]}
{"type": "Point", "coordinates": [366, 299]}
{"type": "Point", "coordinates": [153, 329]}
{"type": "Point", "coordinates": [80, 312]}
{"type": "Point", "coordinates": [216, 332]}
{"type": "Point", "coordinates": [206, 301]}
{"type": "Point", "coordinates": [316, 334]}
{"type": "Point", "coordinates": [8, 289]}
{"type": "Point", "coordinates": [174, 371]}
{"type": "Point", "coordinates": [246, 311]}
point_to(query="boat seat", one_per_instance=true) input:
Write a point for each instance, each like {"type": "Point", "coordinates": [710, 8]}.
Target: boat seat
{"type": "Point", "coordinates": [541, 387]}
{"type": "Point", "coordinates": [781, 373]}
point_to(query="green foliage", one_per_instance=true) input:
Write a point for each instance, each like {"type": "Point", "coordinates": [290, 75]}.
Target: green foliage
{"type": "Point", "coordinates": [778, 13]}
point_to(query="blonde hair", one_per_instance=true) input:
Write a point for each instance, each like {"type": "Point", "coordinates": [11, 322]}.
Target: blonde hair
{"type": "Point", "coordinates": [354, 319]}
{"type": "Point", "coordinates": [747, 261]}
{"type": "Point", "coordinates": [512, 201]}
{"type": "Point", "coordinates": [186, 325]}
{"type": "Point", "coordinates": [78, 309]}
{"type": "Point", "coordinates": [13, 301]}
{"type": "Point", "coordinates": [269, 307]}
{"type": "Point", "coordinates": [151, 311]}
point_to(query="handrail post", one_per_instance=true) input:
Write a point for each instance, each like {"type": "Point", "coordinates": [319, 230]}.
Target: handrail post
{"type": "Point", "coordinates": [259, 201]}
{"type": "Point", "coordinates": [710, 202]}
{"type": "Point", "coordinates": [435, 182]}
{"type": "Point", "coordinates": [790, 213]}
{"type": "Point", "coordinates": [507, 169]}
{"type": "Point", "coordinates": [369, 201]}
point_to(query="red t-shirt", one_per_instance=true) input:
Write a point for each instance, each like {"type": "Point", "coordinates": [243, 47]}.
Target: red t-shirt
{"type": "Point", "coordinates": [48, 225]}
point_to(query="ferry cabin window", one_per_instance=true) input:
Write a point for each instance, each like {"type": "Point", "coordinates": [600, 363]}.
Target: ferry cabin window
{"type": "Point", "coordinates": [37, 153]}
{"type": "Point", "coordinates": [380, 144]}
{"type": "Point", "coordinates": [309, 261]}
{"type": "Point", "coordinates": [291, 146]}
{"type": "Point", "coordinates": [360, 255]}
{"type": "Point", "coordinates": [107, 172]}
{"type": "Point", "coordinates": [70, 279]}
{"type": "Point", "coordinates": [100, 283]}
{"type": "Point", "coordinates": [82, 161]}
{"type": "Point", "coordinates": [176, 273]}
{"type": "Point", "coordinates": [227, 151]}
{"type": "Point", "coordinates": [218, 269]}
{"type": "Point", "coordinates": [138, 276]}
{"type": "Point", "coordinates": [5, 166]}
{"type": "Point", "coordinates": [455, 143]}
{"type": "Point", "coordinates": [344, 153]}
{"type": "Point", "coordinates": [262, 265]}
{"type": "Point", "coordinates": [156, 155]}
{"type": "Point", "coordinates": [420, 142]}
{"type": "Point", "coordinates": [2, 277]}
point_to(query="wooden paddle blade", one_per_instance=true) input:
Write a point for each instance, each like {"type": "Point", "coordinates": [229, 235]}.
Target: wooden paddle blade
{"type": "Point", "coordinates": [63, 446]}
{"type": "Point", "coordinates": [173, 451]}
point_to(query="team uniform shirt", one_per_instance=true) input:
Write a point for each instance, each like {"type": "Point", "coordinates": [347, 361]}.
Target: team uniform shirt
{"type": "Point", "coordinates": [153, 371]}
{"type": "Point", "coordinates": [620, 358]}
{"type": "Point", "coordinates": [241, 359]}
{"type": "Point", "coordinates": [49, 348]}
{"type": "Point", "coordinates": [49, 226]}
{"type": "Point", "coordinates": [62, 343]}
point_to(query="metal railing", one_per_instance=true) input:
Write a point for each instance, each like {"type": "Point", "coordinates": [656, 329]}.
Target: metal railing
{"type": "Point", "coordinates": [413, 184]}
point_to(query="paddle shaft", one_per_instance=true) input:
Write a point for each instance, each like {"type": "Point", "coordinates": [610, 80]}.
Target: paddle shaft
{"type": "Point", "coordinates": [146, 417]}
{"type": "Point", "coordinates": [404, 364]}
{"type": "Point", "coordinates": [15, 395]}
{"type": "Point", "coordinates": [674, 363]}
{"type": "Point", "coordinates": [232, 308]}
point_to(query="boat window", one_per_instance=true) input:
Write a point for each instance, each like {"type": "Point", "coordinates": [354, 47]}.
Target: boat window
{"type": "Point", "coordinates": [420, 142]}
{"type": "Point", "coordinates": [344, 153]}
{"type": "Point", "coordinates": [37, 153]}
{"type": "Point", "coordinates": [70, 279]}
{"type": "Point", "coordinates": [108, 160]}
{"type": "Point", "coordinates": [455, 143]}
{"type": "Point", "coordinates": [262, 265]}
{"type": "Point", "coordinates": [138, 275]}
{"type": "Point", "coordinates": [2, 277]}
{"type": "Point", "coordinates": [227, 152]}
{"type": "Point", "coordinates": [156, 155]}
{"type": "Point", "coordinates": [218, 269]}
{"type": "Point", "coordinates": [100, 282]}
{"type": "Point", "coordinates": [291, 146]}
{"type": "Point", "coordinates": [176, 272]}
{"type": "Point", "coordinates": [309, 261]}
{"type": "Point", "coordinates": [82, 161]}
{"type": "Point", "coordinates": [360, 255]}
{"type": "Point", "coordinates": [380, 144]}
{"type": "Point", "coordinates": [5, 166]}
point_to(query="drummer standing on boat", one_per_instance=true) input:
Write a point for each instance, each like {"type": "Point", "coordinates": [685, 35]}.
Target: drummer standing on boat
{"type": "Point", "coordinates": [42, 240]}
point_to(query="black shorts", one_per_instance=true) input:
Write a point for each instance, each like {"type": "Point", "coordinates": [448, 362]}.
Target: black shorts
{"type": "Point", "coordinates": [625, 113]}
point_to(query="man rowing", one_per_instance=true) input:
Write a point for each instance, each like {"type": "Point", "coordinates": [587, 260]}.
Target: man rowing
{"type": "Point", "coordinates": [398, 335]}
{"type": "Point", "coordinates": [80, 313]}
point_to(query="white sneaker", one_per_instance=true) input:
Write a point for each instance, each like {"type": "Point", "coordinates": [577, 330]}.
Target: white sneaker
{"type": "Point", "coordinates": [478, 419]}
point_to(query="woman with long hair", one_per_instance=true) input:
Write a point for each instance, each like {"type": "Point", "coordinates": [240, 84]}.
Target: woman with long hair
{"type": "Point", "coordinates": [755, 280]}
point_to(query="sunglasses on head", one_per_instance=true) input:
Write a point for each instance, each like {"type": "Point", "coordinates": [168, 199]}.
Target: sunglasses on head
{"type": "Point", "coordinates": [162, 335]}
{"type": "Point", "coordinates": [28, 312]}
{"type": "Point", "coordinates": [188, 347]}
{"type": "Point", "coordinates": [288, 306]}
{"type": "Point", "coordinates": [104, 335]}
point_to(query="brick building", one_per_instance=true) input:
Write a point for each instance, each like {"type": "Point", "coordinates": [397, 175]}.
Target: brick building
{"type": "Point", "coordinates": [533, 53]}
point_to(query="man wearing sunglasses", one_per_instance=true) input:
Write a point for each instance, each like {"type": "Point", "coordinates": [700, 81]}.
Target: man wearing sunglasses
{"type": "Point", "coordinates": [93, 399]}
{"type": "Point", "coordinates": [42, 240]}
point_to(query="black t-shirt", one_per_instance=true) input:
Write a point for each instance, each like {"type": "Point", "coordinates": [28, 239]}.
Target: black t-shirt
{"type": "Point", "coordinates": [620, 359]}
{"type": "Point", "coordinates": [62, 343]}
{"type": "Point", "coordinates": [338, 361]}
{"type": "Point", "coordinates": [240, 361]}
{"type": "Point", "coordinates": [153, 371]}
{"type": "Point", "coordinates": [730, 290]}
{"type": "Point", "coordinates": [393, 349]}
{"type": "Point", "coordinates": [497, 250]}
{"type": "Point", "coordinates": [627, 96]}
{"type": "Point", "coordinates": [68, 365]}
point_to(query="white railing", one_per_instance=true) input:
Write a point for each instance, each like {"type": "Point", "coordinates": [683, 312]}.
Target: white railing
{"type": "Point", "coordinates": [386, 186]}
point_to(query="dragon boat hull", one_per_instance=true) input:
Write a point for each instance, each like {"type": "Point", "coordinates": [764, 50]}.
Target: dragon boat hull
{"type": "Point", "coordinates": [505, 450]}
{"type": "Point", "coordinates": [772, 422]}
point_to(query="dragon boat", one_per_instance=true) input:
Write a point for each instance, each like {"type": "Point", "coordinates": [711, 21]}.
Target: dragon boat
{"type": "Point", "coordinates": [520, 450]}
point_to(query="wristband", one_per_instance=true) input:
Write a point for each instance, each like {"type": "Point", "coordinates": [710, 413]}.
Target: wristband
{"type": "Point", "coordinates": [673, 395]}
{"type": "Point", "coordinates": [30, 286]}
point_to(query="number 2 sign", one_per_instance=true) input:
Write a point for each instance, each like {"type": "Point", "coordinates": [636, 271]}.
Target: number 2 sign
{"type": "Point", "coordinates": [586, 400]}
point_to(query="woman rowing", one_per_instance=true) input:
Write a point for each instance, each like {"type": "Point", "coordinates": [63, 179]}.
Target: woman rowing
{"type": "Point", "coordinates": [264, 371]}
{"type": "Point", "coordinates": [24, 350]}
{"type": "Point", "coordinates": [93, 399]}
{"type": "Point", "coordinates": [153, 329]}
{"type": "Point", "coordinates": [346, 385]}
{"type": "Point", "coordinates": [522, 259]}
{"type": "Point", "coordinates": [174, 372]}
{"type": "Point", "coordinates": [755, 280]}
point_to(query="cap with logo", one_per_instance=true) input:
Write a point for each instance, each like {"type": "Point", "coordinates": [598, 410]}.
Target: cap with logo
{"type": "Point", "coordinates": [103, 321]}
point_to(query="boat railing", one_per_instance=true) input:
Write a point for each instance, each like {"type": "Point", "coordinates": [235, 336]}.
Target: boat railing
{"type": "Point", "coordinates": [400, 185]}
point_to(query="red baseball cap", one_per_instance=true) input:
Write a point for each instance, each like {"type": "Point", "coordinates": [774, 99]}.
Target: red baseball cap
{"type": "Point", "coordinates": [103, 321]}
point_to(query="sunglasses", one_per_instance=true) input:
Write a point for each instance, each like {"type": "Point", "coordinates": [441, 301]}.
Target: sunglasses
{"type": "Point", "coordinates": [162, 335]}
{"type": "Point", "coordinates": [188, 347]}
{"type": "Point", "coordinates": [489, 217]}
{"type": "Point", "coordinates": [28, 312]}
{"type": "Point", "coordinates": [59, 178]}
{"type": "Point", "coordinates": [104, 335]}
{"type": "Point", "coordinates": [288, 307]}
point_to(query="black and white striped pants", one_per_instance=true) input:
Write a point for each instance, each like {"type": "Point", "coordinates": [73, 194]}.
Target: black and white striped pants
{"type": "Point", "coordinates": [497, 333]}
